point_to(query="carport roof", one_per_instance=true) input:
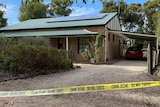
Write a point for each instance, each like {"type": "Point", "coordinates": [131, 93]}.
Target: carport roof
{"type": "Point", "coordinates": [139, 36]}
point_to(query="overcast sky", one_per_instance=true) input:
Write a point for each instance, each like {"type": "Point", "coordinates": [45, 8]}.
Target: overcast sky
{"type": "Point", "coordinates": [12, 11]}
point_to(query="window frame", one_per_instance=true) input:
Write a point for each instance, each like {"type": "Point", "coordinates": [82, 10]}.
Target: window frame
{"type": "Point", "coordinates": [82, 43]}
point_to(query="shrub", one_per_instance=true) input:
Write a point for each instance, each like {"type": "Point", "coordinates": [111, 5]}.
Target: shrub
{"type": "Point", "coordinates": [40, 41]}
{"type": "Point", "coordinates": [86, 54]}
{"type": "Point", "coordinates": [7, 41]}
{"type": "Point", "coordinates": [95, 47]}
{"type": "Point", "coordinates": [22, 58]}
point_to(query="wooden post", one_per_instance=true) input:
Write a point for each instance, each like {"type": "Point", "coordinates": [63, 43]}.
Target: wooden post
{"type": "Point", "coordinates": [67, 43]}
{"type": "Point", "coordinates": [67, 46]}
{"type": "Point", "coordinates": [105, 47]}
{"type": "Point", "coordinates": [149, 59]}
{"type": "Point", "coordinates": [157, 52]}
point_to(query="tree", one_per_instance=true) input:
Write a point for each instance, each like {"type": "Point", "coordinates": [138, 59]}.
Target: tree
{"type": "Point", "coordinates": [32, 10]}
{"type": "Point", "coordinates": [110, 6]}
{"type": "Point", "coordinates": [151, 10]}
{"type": "Point", "coordinates": [130, 15]}
{"type": "Point", "coordinates": [3, 21]}
{"type": "Point", "coordinates": [133, 17]}
{"type": "Point", "coordinates": [85, 1]}
{"type": "Point", "coordinates": [60, 8]}
{"type": "Point", "coordinates": [30, 1]}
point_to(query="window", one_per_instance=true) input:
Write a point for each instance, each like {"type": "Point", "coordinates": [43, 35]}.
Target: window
{"type": "Point", "coordinates": [60, 43]}
{"type": "Point", "coordinates": [109, 37]}
{"type": "Point", "coordinates": [113, 38]}
{"type": "Point", "coordinates": [82, 43]}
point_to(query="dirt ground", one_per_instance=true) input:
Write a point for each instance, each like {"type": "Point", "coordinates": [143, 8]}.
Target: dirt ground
{"type": "Point", "coordinates": [122, 71]}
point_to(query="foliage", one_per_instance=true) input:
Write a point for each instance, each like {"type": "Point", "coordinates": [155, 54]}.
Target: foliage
{"type": "Point", "coordinates": [95, 47]}
{"type": "Point", "coordinates": [142, 42]}
{"type": "Point", "coordinates": [3, 21]}
{"type": "Point", "coordinates": [87, 54]}
{"type": "Point", "coordinates": [109, 6]}
{"type": "Point", "coordinates": [151, 10]}
{"type": "Point", "coordinates": [30, 1]}
{"type": "Point", "coordinates": [33, 10]}
{"type": "Point", "coordinates": [85, 1]}
{"type": "Point", "coordinates": [20, 58]}
{"type": "Point", "coordinates": [8, 41]}
{"type": "Point", "coordinates": [158, 28]}
{"type": "Point", "coordinates": [133, 17]}
{"type": "Point", "coordinates": [60, 7]}
{"type": "Point", "coordinates": [130, 15]}
{"type": "Point", "coordinates": [40, 41]}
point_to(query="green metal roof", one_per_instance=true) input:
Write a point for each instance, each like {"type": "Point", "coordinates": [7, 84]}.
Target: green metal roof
{"type": "Point", "coordinates": [50, 33]}
{"type": "Point", "coordinates": [44, 23]}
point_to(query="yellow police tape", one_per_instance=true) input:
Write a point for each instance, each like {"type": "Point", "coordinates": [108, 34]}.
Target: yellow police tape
{"type": "Point", "coordinates": [81, 89]}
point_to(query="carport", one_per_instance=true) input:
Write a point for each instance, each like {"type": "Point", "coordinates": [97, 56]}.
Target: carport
{"type": "Point", "coordinates": [152, 58]}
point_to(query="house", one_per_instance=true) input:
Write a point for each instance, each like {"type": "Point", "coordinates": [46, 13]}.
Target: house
{"type": "Point", "coordinates": [73, 33]}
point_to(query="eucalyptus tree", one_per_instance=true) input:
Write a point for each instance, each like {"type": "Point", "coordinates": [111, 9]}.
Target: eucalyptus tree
{"type": "Point", "coordinates": [109, 6]}
{"type": "Point", "coordinates": [130, 15]}
{"type": "Point", "coordinates": [30, 1]}
{"type": "Point", "coordinates": [93, 1]}
{"type": "Point", "coordinates": [32, 10]}
{"type": "Point", "coordinates": [3, 21]}
{"type": "Point", "coordinates": [59, 8]}
{"type": "Point", "coordinates": [151, 10]}
{"type": "Point", "coordinates": [134, 17]}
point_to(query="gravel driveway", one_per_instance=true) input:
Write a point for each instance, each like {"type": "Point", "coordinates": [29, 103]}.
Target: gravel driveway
{"type": "Point", "coordinates": [122, 71]}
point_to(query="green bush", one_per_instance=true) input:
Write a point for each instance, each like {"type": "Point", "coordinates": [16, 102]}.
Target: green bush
{"type": "Point", "coordinates": [22, 58]}
{"type": "Point", "coordinates": [8, 41]}
{"type": "Point", "coordinates": [95, 47]}
{"type": "Point", "coordinates": [40, 41]}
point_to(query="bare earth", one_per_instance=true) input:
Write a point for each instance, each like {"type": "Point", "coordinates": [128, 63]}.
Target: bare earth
{"type": "Point", "coordinates": [123, 71]}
